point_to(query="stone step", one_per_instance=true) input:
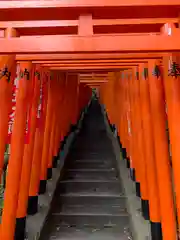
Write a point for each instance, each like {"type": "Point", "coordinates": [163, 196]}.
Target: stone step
{"type": "Point", "coordinates": [90, 186]}
{"type": "Point", "coordinates": [96, 148]}
{"type": "Point", "coordinates": [88, 219]}
{"type": "Point", "coordinates": [89, 202]}
{"type": "Point", "coordinates": [88, 164]}
{"type": "Point", "coordinates": [93, 150]}
{"type": "Point", "coordinates": [93, 198]}
{"type": "Point", "coordinates": [91, 174]}
{"type": "Point", "coordinates": [86, 156]}
{"type": "Point", "coordinates": [67, 232]}
{"type": "Point", "coordinates": [92, 209]}
{"type": "Point", "coordinates": [99, 161]}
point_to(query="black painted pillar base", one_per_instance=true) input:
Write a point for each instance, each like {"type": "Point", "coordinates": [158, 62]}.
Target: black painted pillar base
{"type": "Point", "coordinates": [132, 174]}
{"type": "Point", "coordinates": [42, 186]}
{"type": "Point", "coordinates": [63, 143]}
{"type": "Point", "coordinates": [156, 231]}
{"type": "Point", "coordinates": [124, 153]}
{"type": "Point", "coordinates": [20, 229]}
{"type": "Point", "coordinates": [138, 189]}
{"type": "Point", "coordinates": [119, 141]}
{"type": "Point", "coordinates": [49, 173]}
{"type": "Point", "coordinates": [145, 209]}
{"type": "Point", "coordinates": [128, 162]}
{"type": "Point", "coordinates": [59, 151]}
{"type": "Point", "coordinates": [32, 205]}
{"type": "Point", "coordinates": [111, 126]}
{"type": "Point", "coordinates": [55, 161]}
{"type": "Point", "coordinates": [73, 128]}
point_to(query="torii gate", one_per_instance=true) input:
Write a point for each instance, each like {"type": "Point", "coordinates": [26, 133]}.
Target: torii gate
{"type": "Point", "coordinates": [126, 41]}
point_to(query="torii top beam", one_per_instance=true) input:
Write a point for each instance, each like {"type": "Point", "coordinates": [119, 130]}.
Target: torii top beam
{"type": "Point", "coordinates": [91, 44]}
{"type": "Point", "coordinates": [100, 26]}
{"type": "Point", "coordinates": [85, 4]}
{"type": "Point", "coordinates": [71, 9]}
{"type": "Point", "coordinates": [88, 56]}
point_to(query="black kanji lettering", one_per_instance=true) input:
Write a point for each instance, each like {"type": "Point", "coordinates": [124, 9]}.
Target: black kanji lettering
{"type": "Point", "coordinates": [174, 71]}
{"type": "Point", "coordinates": [145, 73]}
{"type": "Point", "coordinates": [26, 73]}
{"type": "Point", "coordinates": [37, 74]}
{"type": "Point", "coordinates": [5, 73]}
{"type": "Point", "coordinates": [137, 75]}
{"type": "Point", "coordinates": [157, 71]}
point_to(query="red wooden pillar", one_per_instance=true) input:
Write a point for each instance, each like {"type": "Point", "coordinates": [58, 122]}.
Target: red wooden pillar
{"type": "Point", "coordinates": [38, 146]}
{"type": "Point", "coordinates": [172, 92]}
{"type": "Point", "coordinates": [74, 89]}
{"type": "Point", "coordinates": [70, 105]}
{"type": "Point", "coordinates": [7, 75]}
{"type": "Point", "coordinates": [127, 109]}
{"type": "Point", "coordinates": [46, 140]}
{"type": "Point", "coordinates": [117, 101]}
{"type": "Point", "coordinates": [121, 107]}
{"type": "Point", "coordinates": [111, 99]}
{"type": "Point", "coordinates": [65, 117]}
{"type": "Point", "coordinates": [6, 88]}
{"type": "Point", "coordinates": [54, 148]}
{"type": "Point", "coordinates": [27, 158]}
{"type": "Point", "coordinates": [80, 98]}
{"type": "Point", "coordinates": [57, 140]}
{"type": "Point", "coordinates": [125, 118]}
{"type": "Point", "coordinates": [171, 75]}
{"type": "Point", "coordinates": [59, 124]}
{"type": "Point", "coordinates": [84, 96]}
{"type": "Point", "coordinates": [76, 97]}
{"type": "Point", "coordinates": [120, 98]}
{"type": "Point", "coordinates": [17, 148]}
{"type": "Point", "coordinates": [135, 171]}
{"type": "Point", "coordinates": [55, 110]}
{"type": "Point", "coordinates": [132, 129]}
{"type": "Point", "coordinates": [52, 128]}
{"type": "Point", "coordinates": [162, 157]}
{"type": "Point", "coordinates": [141, 186]}
{"type": "Point", "coordinates": [149, 154]}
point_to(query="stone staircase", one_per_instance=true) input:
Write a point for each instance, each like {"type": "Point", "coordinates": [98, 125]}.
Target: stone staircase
{"type": "Point", "coordinates": [89, 202]}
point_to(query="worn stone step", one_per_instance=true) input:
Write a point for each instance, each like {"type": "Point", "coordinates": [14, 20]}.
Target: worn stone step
{"type": "Point", "coordinates": [90, 186]}
{"type": "Point", "coordinates": [99, 161]}
{"type": "Point", "coordinates": [96, 148]}
{"type": "Point", "coordinates": [93, 150]}
{"type": "Point", "coordinates": [95, 209]}
{"type": "Point", "coordinates": [89, 202]}
{"type": "Point", "coordinates": [67, 232]}
{"type": "Point", "coordinates": [88, 164]}
{"type": "Point", "coordinates": [91, 174]}
{"type": "Point", "coordinates": [87, 156]}
{"type": "Point", "coordinates": [88, 219]}
{"type": "Point", "coordinates": [87, 143]}
{"type": "Point", "coordinates": [93, 198]}
{"type": "Point", "coordinates": [104, 150]}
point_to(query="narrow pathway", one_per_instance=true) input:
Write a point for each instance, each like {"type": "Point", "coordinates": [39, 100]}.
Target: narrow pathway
{"type": "Point", "coordinates": [89, 202]}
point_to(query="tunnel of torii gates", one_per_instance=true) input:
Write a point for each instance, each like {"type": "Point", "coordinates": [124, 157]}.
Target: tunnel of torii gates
{"type": "Point", "coordinates": [52, 54]}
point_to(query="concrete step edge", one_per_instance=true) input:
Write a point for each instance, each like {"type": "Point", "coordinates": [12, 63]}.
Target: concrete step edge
{"type": "Point", "coordinates": [88, 214]}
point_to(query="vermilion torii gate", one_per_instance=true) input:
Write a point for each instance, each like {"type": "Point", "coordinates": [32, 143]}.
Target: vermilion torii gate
{"type": "Point", "coordinates": [130, 50]}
